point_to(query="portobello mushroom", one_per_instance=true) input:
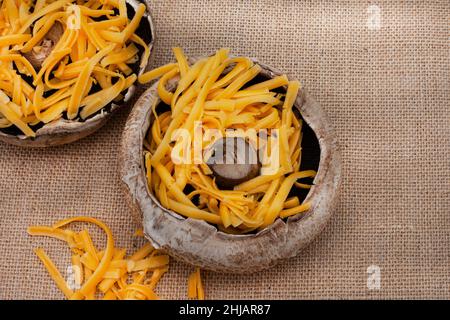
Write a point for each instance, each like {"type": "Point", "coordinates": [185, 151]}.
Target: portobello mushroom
{"type": "Point", "coordinates": [202, 244]}
{"type": "Point", "coordinates": [64, 130]}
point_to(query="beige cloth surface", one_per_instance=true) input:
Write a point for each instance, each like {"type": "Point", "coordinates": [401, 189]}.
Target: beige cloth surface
{"type": "Point", "coordinates": [387, 92]}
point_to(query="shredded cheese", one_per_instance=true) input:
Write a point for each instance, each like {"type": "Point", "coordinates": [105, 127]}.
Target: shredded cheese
{"type": "Point", "coordinates": [217, 92]}
{"type": "Point", "coordinates": [54, 273]}
{"type": "Point", "coordinates": [102, 273]}
{"type": "Point", "coordinates": [195, 287]}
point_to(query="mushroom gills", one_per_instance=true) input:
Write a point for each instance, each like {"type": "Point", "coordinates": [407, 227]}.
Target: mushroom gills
{"type": "Point", "coordinates": [232, 160]}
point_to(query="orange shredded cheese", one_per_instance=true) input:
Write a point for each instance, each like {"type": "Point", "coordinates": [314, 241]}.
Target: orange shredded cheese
{"type": "Point", "coordinates": [195, 287]}
{"type": "Point", "coordinates": [54, 273]}
{"type": "Point", "coordinates": [220, 91]}
{"type": "Point", "coordinates": [104, 273]}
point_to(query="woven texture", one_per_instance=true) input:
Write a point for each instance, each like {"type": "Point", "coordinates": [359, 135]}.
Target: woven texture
{"type": "Point", "coordinates": [383, 75]}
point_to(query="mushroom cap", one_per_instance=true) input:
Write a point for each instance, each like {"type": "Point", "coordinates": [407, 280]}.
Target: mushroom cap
{"type": "Point", "coordinates": [202, 244]}
{"type": "Point", "coordinates": [64, 131]}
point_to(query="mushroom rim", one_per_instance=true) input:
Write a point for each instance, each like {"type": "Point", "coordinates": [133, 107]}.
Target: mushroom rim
{"type": "Point", "coordinates": [64, 131]}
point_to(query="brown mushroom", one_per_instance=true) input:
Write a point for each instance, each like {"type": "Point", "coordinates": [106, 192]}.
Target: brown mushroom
{"type": "Point", "coordinates": [63, 131]}
{"type": "Point", "coordinates": [232, 160]}
{"type": "Point", "coordinates": [201, 244]}
{"type": "Point", "coordinates": [40, 52]}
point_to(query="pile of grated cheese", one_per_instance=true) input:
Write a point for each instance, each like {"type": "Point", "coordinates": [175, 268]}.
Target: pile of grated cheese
{"type": "Point", "coordinates": [108, 273]}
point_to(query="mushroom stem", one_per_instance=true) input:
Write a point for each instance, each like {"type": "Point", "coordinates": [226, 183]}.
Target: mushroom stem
{"type": "Point", "coordinates": [233, 161]}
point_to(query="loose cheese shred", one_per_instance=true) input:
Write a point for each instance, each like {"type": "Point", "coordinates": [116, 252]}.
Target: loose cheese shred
{"type": "Point", "coordinates": [195, 287]}
{"type": "Point", "coordinates": [221, 92]}
{"type": "Point", "coordinates": [156, 73]}
{"type": "Point", "coordinates": [183, 64]}
{"type": "Point", "coordinates": [107, 274]}
{"type": "Point", "coordinates": [99, 272]}
{"type": "Point", "coordinates": [54, 273]}
{"type": "Point", "coordinates": [102, 47]}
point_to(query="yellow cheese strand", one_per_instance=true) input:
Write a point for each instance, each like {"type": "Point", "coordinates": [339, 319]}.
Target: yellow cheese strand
{"type": "Point", "coordinates": [273, 83]}
{"type": "Point", "coordinates": [121, 56]}
{"type": "Point", "coordinates": [257, 181]}
{"type": "Point", "coordinates": [184, 83]}
{"type": "Point", "coordinates": [134, 24]}
{"type": "Point", "coordinates": [54, 111]}
{"type": "Point", "coordinates": [94, 12]}
{"type": "Point", "coordinates": [98, 100]}
{"type": "Point", "coordinates": [195, 287]}
{"type": "Point", "coordinates": [19, 58]}
{"type": "Point", "coordinates": [277, 203]}
{"type": "Point", "coordinates": [11, 39]}
{"type": "Point", "coordinates": [192, 286]}
{"type": "Point", "coordinates": [96, 277]}
{"type": "Point", "coordinates": [81, 83]}
{"type": "Point", "coordinates": [49, 232]}
{"type": "Point", "coordinates": [88, 244]}
{"type": "Point", "coordinates": [169, 181]}
{"type": "Point", "coordinates": [183, 64]}
{"type": "Point", "coordinates": [240, 81]}
{"type": "Point", "coordinates": [200, 291]}
{"type": "Point", "coordinates": [295, 210]}
{"type": "Point", "coordinates": [146, 55]}
{"type": "Point", "coordinates": [49, 22]}
{"type": "Point", "coordinates": [54, 273]}
{"type": "Point", "coordinates": [291, 202]}
{"type": "Point", "coordinates": [12, 11]}
{"type": "Point", "coordinates": [92, 34]}
{"type": "Point", "coordinates": [148, 263]}
{"type": "Point", "coordinates": [164, 94]}
{"type": "Point", "coordinates": [6, 111]}
{"type": "Point", "coordinates": [156, 73]}
{"type": "Point", "coordinates": [106, 24]}
{"type": "Point", "coordinates": [243, 64]}
{"type": "Point", "coordinates": [289, 100]}
{"type": "Point", "coordinates": [193, 212]}
{"type": "Point", "coordinates": [267, 122]}
{"type": "Point", "coordinates": [45, 10]}
{"type": "Point", "coordinates": [122, 8]}
{"type": "Point", "coordinates": [147, 292]}
{"type": "Point", "coordinates": [263, 205]}
{"type": "Point", "coordinates": [142, 252]}
{"type": "Point", "coordinates": [219, 66]}
{"type": "Point", "coordinates": [285, 159]}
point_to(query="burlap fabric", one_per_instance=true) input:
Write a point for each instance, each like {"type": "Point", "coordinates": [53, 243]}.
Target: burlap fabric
{"type": "Point", "coordinates": [381, 72]}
